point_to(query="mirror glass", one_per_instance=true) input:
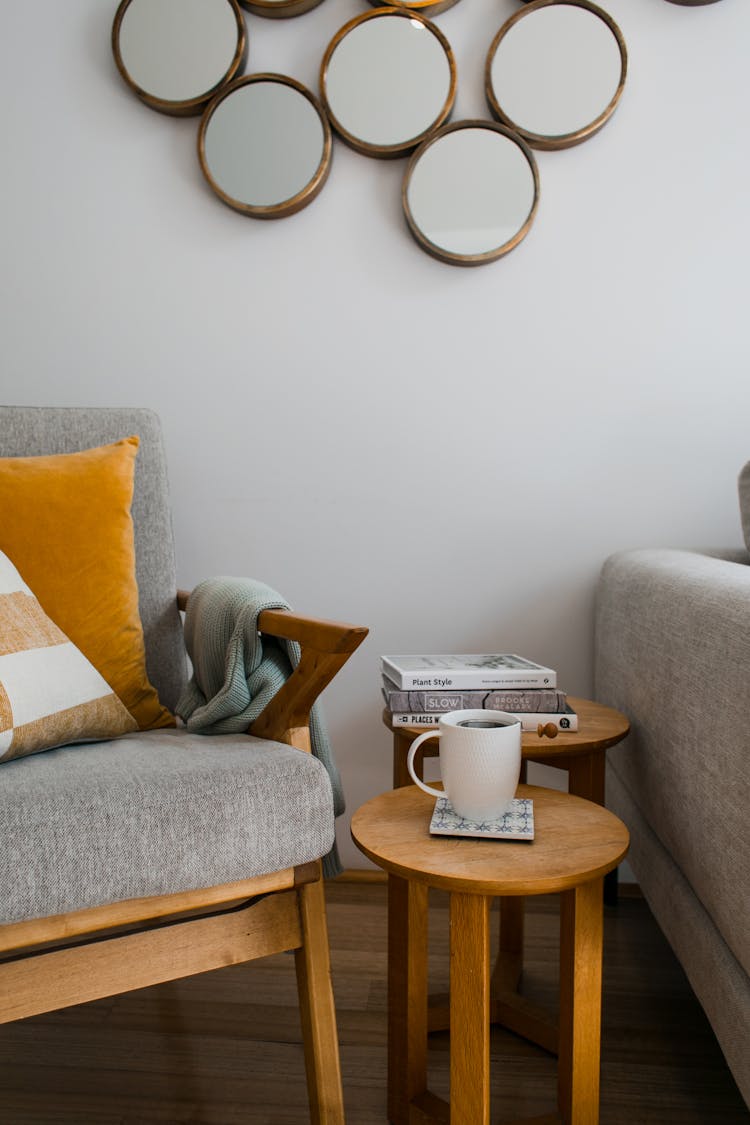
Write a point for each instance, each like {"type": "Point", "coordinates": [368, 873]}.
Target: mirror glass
{"type": "Point", "coordinates": [470, 193]}
{"type": "Point", "coordinates": [387, 80]}
{"type": "Point", "coordinates": [555, 72]}
{"type": "Point", "coordinates": [265, 146]}
{"type": "Point", "coordinates": [175, 54]}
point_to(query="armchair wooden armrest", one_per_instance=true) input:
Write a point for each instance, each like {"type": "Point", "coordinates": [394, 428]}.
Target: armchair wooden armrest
{"type": "Point", "coordinates": [326, 647]}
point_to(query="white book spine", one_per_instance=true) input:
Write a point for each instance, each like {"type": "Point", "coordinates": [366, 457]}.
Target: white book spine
{"type": "Point", "coordinates": [564, 721]}
{"type": "Point", "coordinates": [469, 672]}
{"type": "Point", "coordinates": [471, 680]}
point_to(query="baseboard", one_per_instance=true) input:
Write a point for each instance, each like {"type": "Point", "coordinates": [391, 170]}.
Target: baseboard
{"type": "Point", "coordinates": [361, 875]}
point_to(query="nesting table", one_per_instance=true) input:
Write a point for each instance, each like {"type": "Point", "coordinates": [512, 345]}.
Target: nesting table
{"type": "Point", "coordinates": [576, 843]}
{"type": "Point", "coordinates": [581, 752]}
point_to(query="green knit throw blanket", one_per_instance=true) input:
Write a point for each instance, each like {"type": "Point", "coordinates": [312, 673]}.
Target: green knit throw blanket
{"type": "Point", "coordinates": [236, 671]}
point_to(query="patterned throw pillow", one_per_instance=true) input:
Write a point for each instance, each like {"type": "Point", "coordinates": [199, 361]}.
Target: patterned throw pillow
{"type": "Point", "coordinates": [50, 694]}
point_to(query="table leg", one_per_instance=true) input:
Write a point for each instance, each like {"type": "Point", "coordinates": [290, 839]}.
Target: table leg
{"type": "Point", "coordinates": [507, 974]}
{"type": "Point", "coordinates": [407, 995]}
{"type": "Point", "coordinates": [586, 774]}
{"type": "Point", "coordinates": [470, 1009]}
{"type": "Point", "coordinates": [509, 1006]}
{"type": "Point", "coordinates": [581, 930]}
{"type": "Point", "coordinates": [400, 750]}
{"type": "Point", "coordinates": [401, 747]}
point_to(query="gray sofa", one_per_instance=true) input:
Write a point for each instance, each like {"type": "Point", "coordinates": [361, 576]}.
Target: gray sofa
{"type": "Point", "coordinates": [673, 653]}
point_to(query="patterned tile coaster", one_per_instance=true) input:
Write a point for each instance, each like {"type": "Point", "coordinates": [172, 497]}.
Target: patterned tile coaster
{"type": "Point", "coordinates": [516, 824]}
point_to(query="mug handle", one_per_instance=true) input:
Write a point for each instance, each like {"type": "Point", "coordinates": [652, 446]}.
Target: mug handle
{"type": "Point", "coordinates": [410, 762]}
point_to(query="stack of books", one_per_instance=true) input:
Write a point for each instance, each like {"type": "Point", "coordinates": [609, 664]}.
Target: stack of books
{"type": "Point", "coordinates": [419, 689]}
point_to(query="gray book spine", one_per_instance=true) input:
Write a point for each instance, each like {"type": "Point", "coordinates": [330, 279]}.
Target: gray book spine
{"type": "Point", "coordinates": [544, 700]}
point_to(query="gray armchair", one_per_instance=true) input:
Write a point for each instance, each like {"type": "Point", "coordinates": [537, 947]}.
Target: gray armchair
{"type": "Point", "coordinates": [166, 853]}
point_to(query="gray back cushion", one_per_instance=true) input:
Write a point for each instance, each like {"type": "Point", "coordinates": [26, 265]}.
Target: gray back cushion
{"type": "Point", "coordinates": [27, 431]}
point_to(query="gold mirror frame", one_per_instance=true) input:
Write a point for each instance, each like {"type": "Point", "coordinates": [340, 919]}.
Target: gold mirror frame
{"type": "Point", "coordinates": [422, 7]}
{"type": "Point", "coordinates": [404, 147]}
{"type": "Point", "coordinates": [306, 194]}
{"type": "Point", "coordinates": [189, 107]}
{"type": "Point", "coordinates": [491, 255]}
{"type": "Point", "coordinates": [280, 10]}
{"type": "Point", "coordinates": [566, 140]}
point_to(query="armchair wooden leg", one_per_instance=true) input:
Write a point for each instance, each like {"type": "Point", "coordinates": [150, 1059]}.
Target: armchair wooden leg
{"type": "Point", "coordinates": [317, 1010]}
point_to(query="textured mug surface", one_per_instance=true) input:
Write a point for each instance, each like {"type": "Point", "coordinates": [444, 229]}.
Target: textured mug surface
{"type": "Point", "coordinates": [480, 761]}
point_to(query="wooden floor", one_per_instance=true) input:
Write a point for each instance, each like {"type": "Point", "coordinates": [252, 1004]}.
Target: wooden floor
{"type": "Point", "coordinates": [224, 1048]}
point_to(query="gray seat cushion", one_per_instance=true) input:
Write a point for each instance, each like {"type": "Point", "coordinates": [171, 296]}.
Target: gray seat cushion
{"type": "Point", "coordinates": [154, 813]}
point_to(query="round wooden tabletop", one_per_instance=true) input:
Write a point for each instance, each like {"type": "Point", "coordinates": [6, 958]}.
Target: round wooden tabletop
{"type": "Point", "coordinates": [599, 727]}
{"type": "Point", "coordinates": [574, 841]}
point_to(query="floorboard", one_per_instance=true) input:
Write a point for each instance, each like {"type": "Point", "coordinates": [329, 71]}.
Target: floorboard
{"type": "Point", "coordinates": [224, 1048]}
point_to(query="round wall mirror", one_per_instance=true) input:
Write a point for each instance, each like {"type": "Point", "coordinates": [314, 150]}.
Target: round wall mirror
{"type": "Point", "coordinates": [176, 54]}
{"type": "Point", "coordinates": [424, 7]}
{"type": "Point", "coordinates": [471, 192]}
{"type": "Point", "coordinates": [264, 145]}
{"type": "Point", "coordinates": [387, 80]}
{"type": "Point", "coordinates": [279, 9]}
{"type": "Point", "coordinates": [555, 72]}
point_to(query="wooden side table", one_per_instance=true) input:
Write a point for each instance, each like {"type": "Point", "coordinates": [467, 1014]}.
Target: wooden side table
{"type": "Point", "coordinates": [576, 843]}
{"type": "Point", "coordinates": [583, 754]}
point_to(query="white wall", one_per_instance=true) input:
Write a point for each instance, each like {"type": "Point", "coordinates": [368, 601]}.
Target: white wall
{"type": "Point", "coordinates": [446, 455]}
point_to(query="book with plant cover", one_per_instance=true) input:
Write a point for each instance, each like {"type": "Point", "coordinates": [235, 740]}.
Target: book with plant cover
{"type": "Point", "coordinates": [467, 671]}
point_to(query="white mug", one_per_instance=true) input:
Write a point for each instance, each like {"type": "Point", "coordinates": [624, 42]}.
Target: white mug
{"type": "Point", "coordinates": [480, 761]}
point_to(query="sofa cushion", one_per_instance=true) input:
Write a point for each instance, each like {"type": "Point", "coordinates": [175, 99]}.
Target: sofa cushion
{"type": "Point", "coordinates": [50, 694]}
{"type": "Point", "coordinates": [65, 522]}
{"type": "Point", "coordinates": [153, 813]}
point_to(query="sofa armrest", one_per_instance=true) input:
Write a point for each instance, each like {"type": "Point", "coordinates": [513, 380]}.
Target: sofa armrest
{"type": "Point", "coordinates": [672, 615]}
{"type": "Point", "coordinates": [672, 651]}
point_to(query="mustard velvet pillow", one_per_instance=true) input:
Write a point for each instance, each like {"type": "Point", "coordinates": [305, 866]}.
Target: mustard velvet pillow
{"type": "Point", "coordinates": [65, 522]}
{"type": "Point", "coordinates": [50, 694]}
